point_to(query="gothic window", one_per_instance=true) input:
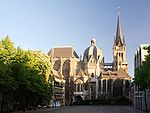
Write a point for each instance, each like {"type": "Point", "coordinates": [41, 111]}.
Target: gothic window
{"type": "Point", "coordinates": [91, 88]}
{"type": "Point", "coordinates": [92, 75]}
{"type": "Point", "coordinates": [119, 62]}
{"type": "Point", "coordinates": [109, 85]}
{"type": "Point", "coordinates": [57, 65]}
{"type": "Point", "coordinates": [104, 85]}
{"type": "Point", "coordinates": [74, 87]}
{"type": "Point", "coordinates": [78, 87]}
{"type": "Point", "coordinates": [81, 87]}
{"type": "Point", "coordinates": [66, 68]}
{"type": "Point", "coordinates": [99, 85]}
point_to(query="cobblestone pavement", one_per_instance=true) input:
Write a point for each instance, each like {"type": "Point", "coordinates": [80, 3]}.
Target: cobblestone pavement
{"type": "Point", "coordinates": [87, 109]}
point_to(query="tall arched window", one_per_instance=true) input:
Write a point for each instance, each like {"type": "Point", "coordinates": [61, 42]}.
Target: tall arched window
{"type": "Point", "coordinates": [78, 88]}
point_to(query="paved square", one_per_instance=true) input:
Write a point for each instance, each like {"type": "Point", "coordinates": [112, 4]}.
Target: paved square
{"type": "Point", "coordinates": [89, 109]}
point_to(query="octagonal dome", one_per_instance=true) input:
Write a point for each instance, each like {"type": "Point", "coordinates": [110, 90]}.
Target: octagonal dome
{"type": "Point", "coordinates": [93, 51]}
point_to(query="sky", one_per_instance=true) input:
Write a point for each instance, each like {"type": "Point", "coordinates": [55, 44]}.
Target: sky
{"type": "Point", "coordinates": [43, 24]}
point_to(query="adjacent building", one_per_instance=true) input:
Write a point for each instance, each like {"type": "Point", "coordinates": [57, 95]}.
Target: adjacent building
{"type": "Point", "coordinates": [91, 77]}
{"type": "Point", "coordinates": [138, 94]}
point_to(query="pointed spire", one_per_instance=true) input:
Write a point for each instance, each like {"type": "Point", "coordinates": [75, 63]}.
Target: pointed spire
{"type": "Point", "coordinates": [119, 38]}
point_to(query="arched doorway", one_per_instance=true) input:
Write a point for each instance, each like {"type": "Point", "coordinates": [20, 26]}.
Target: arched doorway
{"type": "Point", "coordinates": [118, 87]}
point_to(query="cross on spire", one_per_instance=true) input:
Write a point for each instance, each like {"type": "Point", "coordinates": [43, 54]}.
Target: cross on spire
{"type": "Point", "coordinates": [118, 11]}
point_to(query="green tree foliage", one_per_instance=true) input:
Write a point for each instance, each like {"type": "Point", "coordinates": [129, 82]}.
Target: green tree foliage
{"type": "Point", "coordinates": [7, 82]}
{"type": "Point", "coordinates": [25, 73]}
{"type": "Point", "coordinates": [7, 52]}
{"type": "Point", "coordinates": [43, 65]}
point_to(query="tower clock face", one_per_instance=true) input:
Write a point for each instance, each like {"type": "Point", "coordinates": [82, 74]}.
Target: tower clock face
{"type": "Point", "coordinates": [57, 65]}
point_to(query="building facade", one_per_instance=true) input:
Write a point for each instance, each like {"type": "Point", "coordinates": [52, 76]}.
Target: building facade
{"type": "Point", "coordinates": [64, 62]}
{"type": "Point", "coordinates": [91, 77]}
{"type": "Point", "coordinates": [138, 95]}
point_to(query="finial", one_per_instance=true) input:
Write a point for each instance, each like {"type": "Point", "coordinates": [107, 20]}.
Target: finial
{"type": "Point", "coordinates": [93, 42]}
{"type": "Point", "coordinates": [118, 12]}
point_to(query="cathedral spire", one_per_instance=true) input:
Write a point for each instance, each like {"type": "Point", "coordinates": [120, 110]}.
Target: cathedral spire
{"type": "Point", "coordinates": [119, 48]}
{"type": "Point", "coordinates": [119, 37]}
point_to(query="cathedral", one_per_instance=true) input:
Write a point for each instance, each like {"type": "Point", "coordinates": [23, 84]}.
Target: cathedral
{"type": "Point", "coordinates": [90, 77]}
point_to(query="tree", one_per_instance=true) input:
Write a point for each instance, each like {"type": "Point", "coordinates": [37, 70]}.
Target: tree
{"type": "Point", "coordinates": [7, 82]}
{"type": "Point", "coordinates": [43, 65]}
{"type": "Point", "coordinates": [7, 52]}
{"type": "Point", "coordinates": [142, 75]}
{"type": "Point", "coordinates": [32, 72]}
{"type": "Point", "coordinates": [25, 74]}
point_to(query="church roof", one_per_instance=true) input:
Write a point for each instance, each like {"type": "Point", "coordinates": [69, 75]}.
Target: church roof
{"type": "Point", "coordinates": [66, 52]}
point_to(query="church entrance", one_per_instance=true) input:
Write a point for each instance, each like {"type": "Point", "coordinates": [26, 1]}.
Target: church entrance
{"type": "Point", "coordinates": [118, 88]}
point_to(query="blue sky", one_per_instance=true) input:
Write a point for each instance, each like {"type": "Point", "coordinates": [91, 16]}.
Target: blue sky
{"type": "Point", "coordinates": [42, 24]}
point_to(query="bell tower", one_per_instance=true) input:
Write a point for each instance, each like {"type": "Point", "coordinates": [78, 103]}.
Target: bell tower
{"type": "Point", "coordinates": [119, 49]}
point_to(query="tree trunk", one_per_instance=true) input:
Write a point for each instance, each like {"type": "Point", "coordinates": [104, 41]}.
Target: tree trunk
{"type": "Point", "coordinates": [2, 105]}
{"type": "Point", "coordinates": [145, 100]}
{"type": "Point", "coordinates": [23, 104]}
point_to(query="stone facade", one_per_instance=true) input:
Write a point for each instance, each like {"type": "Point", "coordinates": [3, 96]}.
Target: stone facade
{"type": "Point", "coordinates": [91, 77]}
